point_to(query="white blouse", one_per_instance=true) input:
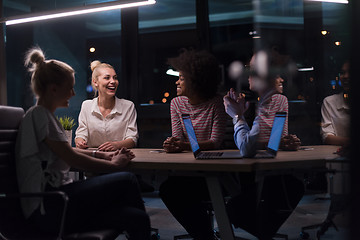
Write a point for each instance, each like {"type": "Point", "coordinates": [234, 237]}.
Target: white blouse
{"type": "Point", "coordinates": [335, 116]}
{"type": "Point", "coordinates": [119, 125]}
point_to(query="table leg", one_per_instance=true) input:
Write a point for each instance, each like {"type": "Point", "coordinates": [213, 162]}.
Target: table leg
{"type": "Point", "coordinates": [218, 203]}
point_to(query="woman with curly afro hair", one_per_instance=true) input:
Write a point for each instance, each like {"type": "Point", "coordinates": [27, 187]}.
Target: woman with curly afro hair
{"type": "Point", "coordinates": [197, 96]}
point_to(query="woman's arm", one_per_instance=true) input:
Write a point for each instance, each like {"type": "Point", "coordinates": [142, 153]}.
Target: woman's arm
{"type": "Point", "coordinates": [112, 146]}
{"type": "Point", "coordinates": [246, 138]}
{"type": "Point", "coordinates": [86, 163]}
{"type": "Point", "coordinates": [173, 144]}
{"type": "Point", "coordinates": [336, 140]}
{"type": "Point", "coordinates": [81, 133]}
{"type": "Point", "coordinates": [131, 131]}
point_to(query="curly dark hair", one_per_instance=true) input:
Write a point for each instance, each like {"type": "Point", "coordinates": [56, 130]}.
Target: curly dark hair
{"type": "Point", "coordinates": [200, 70]}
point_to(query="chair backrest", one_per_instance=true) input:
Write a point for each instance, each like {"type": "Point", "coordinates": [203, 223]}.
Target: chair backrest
{"type": "Point", "coordinates": [10, 118]}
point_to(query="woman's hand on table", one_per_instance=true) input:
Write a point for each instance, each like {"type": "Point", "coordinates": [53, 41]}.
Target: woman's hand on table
{"type": "Point", "coordinates": [122, 157]}
{"type": "Point", "coordinates": [172, 145]}
{"type": "Point", "coordinates": [290, 142]}
{"type": "Point", "coordinates": [108, 147]}
{"type": "Point", "coordinates": [81, 143]}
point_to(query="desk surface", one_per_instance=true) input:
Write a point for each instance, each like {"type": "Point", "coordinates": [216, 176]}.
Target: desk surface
{"type": "Point", "coordinates": [316, 156]}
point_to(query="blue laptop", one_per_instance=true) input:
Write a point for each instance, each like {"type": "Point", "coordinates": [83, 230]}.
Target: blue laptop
{"type": "Point", "coordinates": [271, 150]}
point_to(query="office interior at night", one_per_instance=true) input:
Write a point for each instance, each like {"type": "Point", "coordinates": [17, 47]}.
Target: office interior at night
{"type": "Point", "coordinates": [315, 36]}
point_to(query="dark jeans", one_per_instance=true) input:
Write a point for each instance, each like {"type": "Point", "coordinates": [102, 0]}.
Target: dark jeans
{"type": "Point", "coordinates": [111, 201]}
{"type": "Point", "coordinates": [184, 197]}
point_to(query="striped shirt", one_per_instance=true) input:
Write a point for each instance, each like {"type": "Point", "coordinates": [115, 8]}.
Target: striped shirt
{"type": "Point", "coordinates": [208, 118]}
{"type": "Point", "coordinates": [248, 140]}
{"type": "Point", "coordinates": [266, 114]}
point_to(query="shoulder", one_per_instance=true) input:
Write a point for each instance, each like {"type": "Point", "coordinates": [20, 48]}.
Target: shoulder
{"type": "Point", "coordinates": [123, 101]}
{"type": "Point", "coordinates": [217, 100]}
{"type": "Point", "coordinates": [279, 97]}
{"type": "Point", "coordinates": [87, 104]}
{"type": "Point", "coordinates": [36, 113]}
{"type": "Point", "coordinates": [333, 98]}
{"type": "Point", "coordinates": [181, 100]}
{"type": "Point", "coordinates": [123, 104]}
{"type": "Point", "coordinates": [36, 117]}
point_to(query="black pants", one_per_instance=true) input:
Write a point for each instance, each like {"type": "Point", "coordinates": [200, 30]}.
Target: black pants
{"type": "Point", "coordinates": [110, 201]}
{"type": "Point", "coordinates": [263, 215]}
{"type": "Point", "coordinates": [185, 197]}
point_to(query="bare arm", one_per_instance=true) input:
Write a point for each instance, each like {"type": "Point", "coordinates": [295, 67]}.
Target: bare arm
{"type": "Point", "coordinates": [336, 140]}
{"type": "Point", "coordinates": [173, 144]}
{"type": "Point", "coordinates": [112, 146]}
{"type": "Point", "coordinates": [84, 162]}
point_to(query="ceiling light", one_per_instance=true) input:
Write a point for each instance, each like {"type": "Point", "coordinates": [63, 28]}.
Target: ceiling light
{"type": "Point", "coordinates": [172, 73]}
{"type": "Point", "coordinates": [324, 32]}
{"type": "Point", "coordinates": [306, 69]}
{"type": "Point", "coordinates": [100, 7]}
{"type": "Point", "coordinates": [331, 1]}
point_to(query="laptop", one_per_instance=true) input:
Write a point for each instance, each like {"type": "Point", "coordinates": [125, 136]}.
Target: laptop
{"type": "Point", "coordinates": [271, 150]}
{"type": "Point", "coordinates": [275, 137]}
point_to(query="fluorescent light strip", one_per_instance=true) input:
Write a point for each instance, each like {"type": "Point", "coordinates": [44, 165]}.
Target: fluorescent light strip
{"type": "Point", "coordinates": [332, 1]}
{"type": "Point", "coordinates": [172, 73]}
{"type": "Point", "coordinates": [306, 69]}
{"type": "Point", "coordinates": [78, 12]}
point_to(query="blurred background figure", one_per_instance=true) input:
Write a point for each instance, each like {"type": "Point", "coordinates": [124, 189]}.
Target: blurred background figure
{"type": "Point", "coordinates": [335, 112]}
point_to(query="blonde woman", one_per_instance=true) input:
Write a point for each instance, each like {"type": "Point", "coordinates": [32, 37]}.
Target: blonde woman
{"type": "Point", "coordinates": [106, 122]}
{"type": "Point", "coordinates": [44, 158]}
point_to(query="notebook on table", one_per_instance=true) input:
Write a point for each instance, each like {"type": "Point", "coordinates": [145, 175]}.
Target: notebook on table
{"type": "Point", "coordinates": [271, 150]}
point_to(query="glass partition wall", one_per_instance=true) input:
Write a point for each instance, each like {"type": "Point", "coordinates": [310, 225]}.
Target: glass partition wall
{"type": "Point", "coordinates": [313, 36]}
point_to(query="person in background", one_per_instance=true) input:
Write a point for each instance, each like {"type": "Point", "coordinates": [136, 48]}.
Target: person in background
{"type": "Point", "coordinates": [106, 122]}
{"type": "Point", "coordinates": [265, 79]}
{"type": "Point", "coordinates": [262, 218]}
{"type": "Point", "coordinates": [335, 125]}
{"type": "Point", "coordinates": [197, 96]}
{"type": "Point", "coordinates": [335, 112]}
{"type": "Point", "coordinates": [44, 158]}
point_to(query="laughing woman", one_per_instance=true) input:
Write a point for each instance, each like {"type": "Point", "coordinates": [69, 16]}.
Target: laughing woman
{"type": "Point", "coordinates": [106, 122]}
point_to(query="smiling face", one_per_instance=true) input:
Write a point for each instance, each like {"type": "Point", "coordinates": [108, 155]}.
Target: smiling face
{"type": "Point", "coordinates": [279, 84]}
{"type": "Point", "coordinates": [181, 85]}
{"type": "Point", "coordinates": [345, 77]}
{"type": "Point", "coordinates": [106, 83]}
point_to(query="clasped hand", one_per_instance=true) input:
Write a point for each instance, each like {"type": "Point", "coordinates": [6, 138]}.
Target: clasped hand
{"type": "Point", "coordinates": [290, 142]}
{"type": "Point", "coordinates": [172, 145]}
{"type": "Point", "coordinates": [235, 104]}
{"type": "Point", "coordinates": [122, 157]}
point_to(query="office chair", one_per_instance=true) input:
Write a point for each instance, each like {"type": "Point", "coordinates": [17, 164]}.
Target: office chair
{"type": "Point", "coordinates": [12, 221]}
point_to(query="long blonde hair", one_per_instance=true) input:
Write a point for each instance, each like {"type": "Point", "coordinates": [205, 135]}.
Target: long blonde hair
{"type": "Point", "coordinates": [95, 66]}
{"type": "Point", "coordinates": [45, 72]}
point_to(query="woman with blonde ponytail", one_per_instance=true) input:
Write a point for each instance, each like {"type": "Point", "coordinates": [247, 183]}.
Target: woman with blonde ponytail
{"type": "Point", "coordinates": [44, 158]}
{"type": "Point", "coordinates": [106, 122]}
